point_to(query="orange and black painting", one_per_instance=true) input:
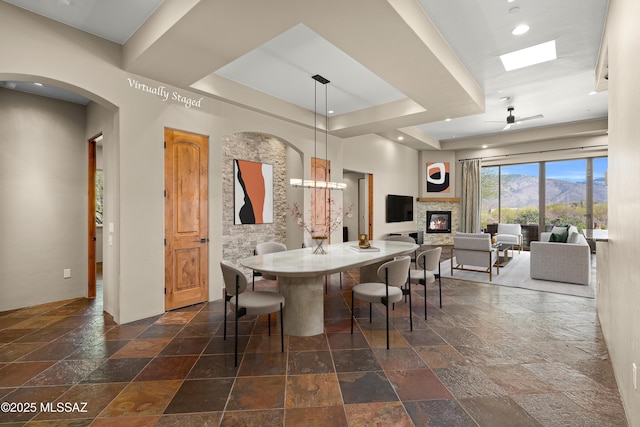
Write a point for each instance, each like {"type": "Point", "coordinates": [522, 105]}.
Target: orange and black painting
{"type": "Point", "coordinates": [438, 177]}
{"type": "Point", "coordinates": [253, 192]}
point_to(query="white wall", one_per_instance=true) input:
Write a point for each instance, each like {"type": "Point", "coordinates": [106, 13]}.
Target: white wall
{"type": "Point", "coordinates": [395, 170]}
{"type": "Point", "coordinates": [619, 303]}
{"type": "Point", "coordinates": [43, 183]}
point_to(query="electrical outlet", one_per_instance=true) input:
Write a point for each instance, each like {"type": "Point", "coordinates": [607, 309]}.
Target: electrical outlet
{"type": "Point", "coordinates": [635, 376]}
{"type": "Point", "coordinates": [66, 273]}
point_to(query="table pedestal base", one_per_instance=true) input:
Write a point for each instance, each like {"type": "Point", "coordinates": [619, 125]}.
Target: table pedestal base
{"type": "Point", "coordinates": [304, 310]}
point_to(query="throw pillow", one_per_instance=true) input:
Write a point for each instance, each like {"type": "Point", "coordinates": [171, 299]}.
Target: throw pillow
{"type": "Point", "coordinates": [573, 237]}
{"type": "Point", "coordinates": [559, 237]}
{"type": "Point", "coordinates": [557, 229]}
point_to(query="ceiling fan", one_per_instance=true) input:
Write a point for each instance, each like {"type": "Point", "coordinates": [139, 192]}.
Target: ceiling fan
{"type": "Point", "coordinates": [513, 120]}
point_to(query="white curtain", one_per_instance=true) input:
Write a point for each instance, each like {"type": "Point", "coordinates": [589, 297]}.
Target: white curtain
{"type": "Point", "coordinates": [470, 199]}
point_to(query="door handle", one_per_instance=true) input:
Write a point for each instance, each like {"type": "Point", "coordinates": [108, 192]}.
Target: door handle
{"type": "Point", "coordinates": [204, 240]}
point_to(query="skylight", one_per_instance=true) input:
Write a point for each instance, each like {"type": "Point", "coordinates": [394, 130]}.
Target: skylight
{"type": "Point", "coordinates": [529, 56]}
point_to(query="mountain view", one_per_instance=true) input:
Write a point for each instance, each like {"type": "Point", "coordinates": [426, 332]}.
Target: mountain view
{"type": "Point", "coordinates": [519, 193]}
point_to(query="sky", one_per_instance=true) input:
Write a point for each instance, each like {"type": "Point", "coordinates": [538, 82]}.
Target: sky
{"type": "Point", "coordinates": [567, 170]}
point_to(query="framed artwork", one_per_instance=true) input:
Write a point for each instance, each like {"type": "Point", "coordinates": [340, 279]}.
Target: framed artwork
{"type": "Point", "coordinates": [438, 177]}
{"type": "Point", "coordinates": [252, 192]}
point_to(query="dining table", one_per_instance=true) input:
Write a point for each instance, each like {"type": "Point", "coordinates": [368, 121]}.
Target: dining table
{"type": "Point", "coordinates": [300, 276]}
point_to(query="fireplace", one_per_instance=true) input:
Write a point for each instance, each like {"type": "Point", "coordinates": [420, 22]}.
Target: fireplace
{"type": "Point", "coordinates": [438, 222]}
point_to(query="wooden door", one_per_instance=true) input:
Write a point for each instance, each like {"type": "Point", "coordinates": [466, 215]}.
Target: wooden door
{"type": "Point", "coordinates": [320, 197]}
{"type": "Point", "coordinates": [186, 219]}
{"type": "Point", "coordinates": [91, 210]}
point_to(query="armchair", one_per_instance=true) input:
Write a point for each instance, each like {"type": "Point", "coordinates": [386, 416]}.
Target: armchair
{"type": "Point", "coordinates": [510, 233]}
{"type": "Point", "coordinates": [474, 250]}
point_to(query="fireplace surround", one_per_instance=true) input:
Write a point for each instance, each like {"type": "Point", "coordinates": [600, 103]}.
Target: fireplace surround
{"type": "Point", "coordinates": [438, 222]}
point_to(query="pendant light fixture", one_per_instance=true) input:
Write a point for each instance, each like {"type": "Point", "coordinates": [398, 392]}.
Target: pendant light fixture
{"type": "Point", "coordinates": [314, 183]}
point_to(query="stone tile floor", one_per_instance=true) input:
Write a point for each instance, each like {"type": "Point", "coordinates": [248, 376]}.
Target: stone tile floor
{"type": "Point", "coordinates": [492, 356]}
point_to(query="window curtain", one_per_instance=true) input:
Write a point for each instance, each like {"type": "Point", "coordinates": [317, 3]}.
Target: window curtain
{"type": "Point", "coordinates": [470, 200]}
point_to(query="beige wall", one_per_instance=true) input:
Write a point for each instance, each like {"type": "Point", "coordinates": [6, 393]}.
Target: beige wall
{"type": "Point", "coordinates": [619, 303]}
{"type": "Point", "coordinates": [395, 170]}
{"type": "Point", "coordinates": [133, 150]}
{"type": "Point", "coordinates": [43, 181]}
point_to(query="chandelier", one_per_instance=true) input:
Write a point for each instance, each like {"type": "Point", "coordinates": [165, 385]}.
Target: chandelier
{"type": "Point", "coordinates": [314, 183]}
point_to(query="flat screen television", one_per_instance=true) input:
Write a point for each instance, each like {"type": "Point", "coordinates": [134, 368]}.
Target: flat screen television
{"type": "Point", "coordinates": [399, 208]}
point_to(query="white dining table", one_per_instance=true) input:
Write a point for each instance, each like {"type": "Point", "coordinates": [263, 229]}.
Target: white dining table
{"type": "Point", "coordinates": [301, 273]}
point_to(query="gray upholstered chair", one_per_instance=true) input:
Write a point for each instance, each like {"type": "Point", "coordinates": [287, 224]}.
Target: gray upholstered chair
{"type": "Point", "coordinates": [403, 238]}
{"type": "Point", "coordinates": [252, 303]}
{"type": "Point", "coordinates": [393, 275]}
{"type": "Point", "coordinates": [474, 249]}
{"type": "Point", "coordinates": [266, 248]}
{"type": "Point", "coordinates": [510, 233]}
{"type": "Point", "coordinates": [427, 263]}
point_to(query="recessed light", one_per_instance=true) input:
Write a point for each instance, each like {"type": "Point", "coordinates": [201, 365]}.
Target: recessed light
{"type": "Point", "coordinates": [529, 56]}
{"type": "Point", "coordinates": [400, 138]}
{"type": "Point", "coordinates": [505, 98]}
{"type": "Point", "coordinates": [510, 1]}
{"type": "Point", "coordinates": [330, 111]}
{"type": "Point", "coordinates": [38, 84]}
{"type": "Point", "coordinates": [447, 119]}
{"type": "Point", "coordinates": [485, 146]}
{"type": "Point", "coordinates": [593, 92]}
{"type": "Point", "coordinates": [514, 10]}
{"type": "Point", "coordinates": [520, 29]}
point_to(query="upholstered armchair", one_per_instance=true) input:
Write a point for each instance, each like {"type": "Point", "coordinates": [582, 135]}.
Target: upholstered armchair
{"type": "Point", "coordinates": [471, 249]}
{"type": "Point", "coordinates": [510, 233]}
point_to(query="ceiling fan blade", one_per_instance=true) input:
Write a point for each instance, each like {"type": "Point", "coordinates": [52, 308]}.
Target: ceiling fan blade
{"type": "Point", "coordinates": [537, 116]}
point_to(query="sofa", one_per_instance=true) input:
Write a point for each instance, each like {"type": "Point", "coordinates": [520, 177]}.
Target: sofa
{"type": "Point", "coordinates": [559, 261]}
{"type": "Point", "coordinates": [471, 249]}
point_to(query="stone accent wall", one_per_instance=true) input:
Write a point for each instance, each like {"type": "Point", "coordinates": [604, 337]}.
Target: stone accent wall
{"type": "Point", "coordinates": [439, 205]}
{"type": "Point", "coordinates": [239, 241]}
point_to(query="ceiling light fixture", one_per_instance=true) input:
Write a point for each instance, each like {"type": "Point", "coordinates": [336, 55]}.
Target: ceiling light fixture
{"type": "Point", "coordinates": [314, 183]}
{"type": "Point", "coordinates": [401, 138]}
{"type": "Point", "coordinates": [593, 92]}
{"type": "Point", "coordinates": [520, 30]}
{"type": "Point", "coordinates": [485, 146]}
{"type": "Point", "coordinates": [447, 119]}
{"type": "Point", "coordinates": [529, 56]}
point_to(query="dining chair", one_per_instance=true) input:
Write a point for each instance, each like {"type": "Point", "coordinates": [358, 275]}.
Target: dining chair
{"type": "Point", "coordinates": [261, 249]}
{"type": "Point", "coordinates": [252, 303]}
{"type": "Point", "coordinates": [427, 263]}
{"type": "Point", "coordinates": [403, 238]}
{"type": "Point", "coordinates": [393, 275]}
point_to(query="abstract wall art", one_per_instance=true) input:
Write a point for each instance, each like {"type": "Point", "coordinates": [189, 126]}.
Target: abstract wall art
{"type": "Point", "coordinates": [253, 192]}
{"type": "Point", "coordinates": [438, 177]}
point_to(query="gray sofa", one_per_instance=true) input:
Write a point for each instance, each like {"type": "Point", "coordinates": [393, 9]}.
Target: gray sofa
{"type": "Point", "coordinates": [561, 262]}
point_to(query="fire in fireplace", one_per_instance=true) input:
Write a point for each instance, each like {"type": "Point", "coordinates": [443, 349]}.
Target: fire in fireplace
{"type": "Point", "coordinates": [438, 221]}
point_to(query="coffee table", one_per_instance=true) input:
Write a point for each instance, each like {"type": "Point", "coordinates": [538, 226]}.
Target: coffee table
{"type": "Point", "coordinates": [505, 258]}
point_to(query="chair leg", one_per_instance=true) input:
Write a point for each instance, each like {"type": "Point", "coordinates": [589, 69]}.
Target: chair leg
{"type": "Point", "coordinates": [370, 312]}
{"type": "Point", "coordinates": [440, 285]}
{"type": "Point", "coordinates": [425, 300]}
{"type": "Point", "coordinates": [225, 316]}
{"type": "Point", "coordinates": [341, 280]}
{"type": "Point", "coordinates": [269, 323]}
{"type": "Point", "coordinates": [281, 330]}
{"type": "Point", "coordinates": [387, 305]}
{"type": "Point", "coordinates": [351, 312]}
{"type": "Point", "coordinates": [410, 313]}
{"type": "Point", "coordinates": [236, 341]}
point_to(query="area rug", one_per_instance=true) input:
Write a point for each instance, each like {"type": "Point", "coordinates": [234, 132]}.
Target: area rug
{"type": "Point", "coordinates": [516, 274]}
